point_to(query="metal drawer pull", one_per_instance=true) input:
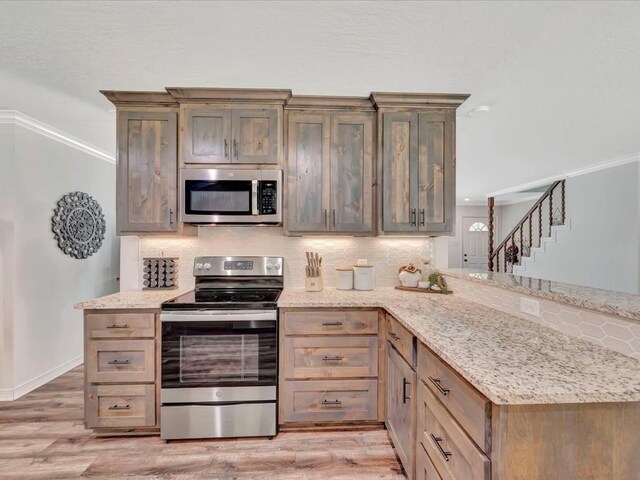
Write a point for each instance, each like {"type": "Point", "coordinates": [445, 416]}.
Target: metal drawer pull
{"type": "Point", "coordinates": [442, 451]}
{"type": "Point", "coordinates": [332, 324]}
{"type": "Point", "coordinates": [405, 397]}
{"type": "Point", "coordinates": [441, 389]}
{"type": "Point", "coordinates": [118, 326]}
{"type": "Point", "coordinates": [120, 407]}
{"type": "Point", "coordinates": [394, 336]}
{"type": "Point", "coordinates": [226, 148]}
{"type": "Point", "coordinates": [331, 402]}
{"type": "Point", "coordinates": [119, 362]}
{"type": "Point", "coordinates": [331, 358]}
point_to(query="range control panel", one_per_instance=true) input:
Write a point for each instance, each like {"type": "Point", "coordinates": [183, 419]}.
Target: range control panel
{"type": "Point", "coordinates": [219, 266]}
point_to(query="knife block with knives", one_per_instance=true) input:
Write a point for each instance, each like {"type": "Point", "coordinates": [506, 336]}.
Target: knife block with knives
{"type": "Point", "coordinates": [313, 270]}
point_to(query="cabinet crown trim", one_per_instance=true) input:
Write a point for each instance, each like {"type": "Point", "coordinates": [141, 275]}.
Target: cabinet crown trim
{"type": "Point", "coordinates": [146, 99]}
{"type": "Point", "coordinates": [236, 95]}
{"type": "Point", "coordinates": [315, 102]}
{"type": "Point", "coordinates": [421, 100]}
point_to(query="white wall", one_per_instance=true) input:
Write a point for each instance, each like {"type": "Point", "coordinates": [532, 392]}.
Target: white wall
{"type": "Point", "coordinates": [509, 215]}
{"type": "Point", "coordinates": [47, 331]}
{"type": "Point", "coordinates": [6, 255]}
{"type": "Point", "coordinates": [602, 247]}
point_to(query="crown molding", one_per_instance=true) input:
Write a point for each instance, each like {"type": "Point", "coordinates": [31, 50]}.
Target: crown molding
{"type": "Point", "coordinates": [17, 118]}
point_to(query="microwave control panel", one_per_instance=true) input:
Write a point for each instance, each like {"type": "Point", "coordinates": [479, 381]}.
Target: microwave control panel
{"type": "Point", "coordinates": [268, 197]}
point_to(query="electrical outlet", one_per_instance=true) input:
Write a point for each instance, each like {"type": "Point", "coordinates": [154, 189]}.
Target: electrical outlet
{"type": "Point", "coordinates": [530, 307]}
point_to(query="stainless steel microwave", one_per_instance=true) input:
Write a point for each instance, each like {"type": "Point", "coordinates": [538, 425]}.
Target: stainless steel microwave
{"type": "Point", "coordinates": [213, 195]}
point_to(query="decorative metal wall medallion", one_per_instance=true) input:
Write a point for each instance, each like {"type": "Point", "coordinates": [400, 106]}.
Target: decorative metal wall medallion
{"type": "Point", "coordinates": [78, 225]}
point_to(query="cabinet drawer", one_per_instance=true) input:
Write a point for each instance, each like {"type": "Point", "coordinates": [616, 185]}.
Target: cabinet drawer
{"type": "Point", "coordinates": [120, 361]}
{"type": "Point", "coordinates": [402, 339]}
{"type": "Point", "coordinates": [121, 406]}
{"type": "Point", "coordinates": [469, 407]}
{"type": "Point", "coordinates": [425, 470]}
{"type": "Point", "coordinates": [330, 357]}
{"type": "Point", "coordinates": [120, 325]}
{"type": "Point", "coordinates": [330, 400]}
{"type": "Point", "coordinates": [453, 453]}
{"type": "Point", "coordinates": [331, 322]}
{"type": "Point", "coordinates": [333, 357]}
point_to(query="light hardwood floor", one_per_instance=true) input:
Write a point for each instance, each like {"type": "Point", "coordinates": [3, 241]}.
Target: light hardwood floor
{"type": "Point", "coordinates": [42, 436]}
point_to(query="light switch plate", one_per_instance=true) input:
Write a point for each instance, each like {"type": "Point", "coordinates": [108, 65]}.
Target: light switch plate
{"type": "Point", "coordinates": [530, 307]}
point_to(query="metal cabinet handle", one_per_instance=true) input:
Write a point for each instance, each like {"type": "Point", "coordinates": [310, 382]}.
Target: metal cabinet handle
{"type": "Point", "coordinates": [331, 358]}
{"type": "Point", "coordinates": [405, 397]}
{"type": "Point", "coordinates": [331, 402]}
{"type": "Point", "coordinates": [325, 218]}
{"type": "Point", "coordinates": [118, 326]}
{"type": "Point", "coordinates": [394, 336]}
{"type": "Point", "coordinates": [414, 217]}
{"type": "Point", "coordinates": [333, 213]}
{"type": "Point", "coordinates": [235, 149]}
{"type": "Point", "coordinates": [441, 389]}
{"type": "Point", "coordinates": [436, 440]}
{"type": "Point", "coordinates": [331, 324]}
{"type": "Point", "coordinates": [226, 148]}
{"type": "Point", "coordinates": [422, 217]}
{"type": "Point", "coordinates": [171, 216]}
{"type": "Point", "coordinates": [119, 362]}
{"type": "Point", "coordinates": [120, 407]}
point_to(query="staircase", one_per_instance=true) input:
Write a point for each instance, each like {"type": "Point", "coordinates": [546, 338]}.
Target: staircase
{"type": "Point", "coordinates": [537, 229]}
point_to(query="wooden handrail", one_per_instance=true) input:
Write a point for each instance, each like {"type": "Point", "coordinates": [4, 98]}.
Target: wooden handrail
{"type": "Point", "coordinates": [528, 217]}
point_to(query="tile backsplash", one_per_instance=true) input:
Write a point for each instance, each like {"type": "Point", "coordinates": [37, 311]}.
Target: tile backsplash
{"type": "Point", "coordinates": [385, 253]}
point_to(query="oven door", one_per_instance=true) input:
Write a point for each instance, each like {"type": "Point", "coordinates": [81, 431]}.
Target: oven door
{"type": "Point", "coordinates": [216, 355]}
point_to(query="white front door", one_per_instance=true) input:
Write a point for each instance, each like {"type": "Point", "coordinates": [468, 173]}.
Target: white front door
{"type": "Point", "coordinates": [475, 242]}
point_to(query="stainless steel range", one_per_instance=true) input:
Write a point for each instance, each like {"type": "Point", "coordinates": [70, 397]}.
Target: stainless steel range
{"type": "Point", "coordinates": [220, 351]}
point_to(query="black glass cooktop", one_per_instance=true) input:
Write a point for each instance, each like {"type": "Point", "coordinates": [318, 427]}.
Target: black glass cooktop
{"type": "Point", "coordinates": [224, 299]}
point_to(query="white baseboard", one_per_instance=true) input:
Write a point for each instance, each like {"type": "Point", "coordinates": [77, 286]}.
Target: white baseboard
{"type": "Point", "coordinates": [30, 385]}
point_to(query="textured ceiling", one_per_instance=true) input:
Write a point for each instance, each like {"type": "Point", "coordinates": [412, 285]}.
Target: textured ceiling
{"type": "Point", "coordinates": [561, 78]}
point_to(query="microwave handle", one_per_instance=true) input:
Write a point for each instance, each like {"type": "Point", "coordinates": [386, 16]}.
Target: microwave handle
{"type": "Point", "coordinates": [254, 197]}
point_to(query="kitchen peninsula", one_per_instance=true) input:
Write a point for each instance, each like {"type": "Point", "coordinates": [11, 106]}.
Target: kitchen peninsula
{"type": "Point", "coordinates": [483, 394]}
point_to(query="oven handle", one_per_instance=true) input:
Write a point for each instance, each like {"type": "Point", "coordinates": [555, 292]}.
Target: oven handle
{"type": "Point", "coordinates": [218, 316]}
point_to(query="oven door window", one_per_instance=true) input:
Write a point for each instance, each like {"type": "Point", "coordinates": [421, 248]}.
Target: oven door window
{"type": "Point", "coordinates": [220, 197]}
{"type": "Point", "coordinates": [195, 354]}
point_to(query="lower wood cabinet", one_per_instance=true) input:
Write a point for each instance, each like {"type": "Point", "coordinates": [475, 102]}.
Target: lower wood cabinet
{"type": "Point", "coordinates": [329, 366]}
{"type": "Point", "coordinates": [122, 372]}
{"type": "Point", "coordinates": [113, 406]}
{"type": "Point", "coordinates": [425, 470]}
{"type": "Point", "coordinates": [401, 408]}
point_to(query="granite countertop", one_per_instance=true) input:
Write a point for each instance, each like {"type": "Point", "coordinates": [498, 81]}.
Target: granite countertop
{"type": "Point", "coordinates": [509, 359]}
{"type": "Point", "coordinates": [130, 299]}
{"type": "Point", "coordinates": [607, 301]}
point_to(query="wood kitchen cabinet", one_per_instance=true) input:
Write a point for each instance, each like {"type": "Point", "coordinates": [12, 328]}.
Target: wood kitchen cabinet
{"type": "Point", "coordinates": [329, 165]}
{"type": "Point", "coordinates": [122, 371]}
{"type": "Point", "coordinates": [235, 126]}
{"type": "Point", "coordinates": [417, 167]}
{"type": "Point", "coordinates": [401, 399]}
{"type": "Point", "coordinates": [147, 168]}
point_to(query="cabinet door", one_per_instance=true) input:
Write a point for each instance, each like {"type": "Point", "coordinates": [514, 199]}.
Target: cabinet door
{"type": "Point", "coordinates": [401, 408]}
{"type": "Point", "coordinates": [147, 182]}
{"type": "Point", "coordinates": [308, 165]}
{"type": "Point", "coordinates": [400, 172]}
{"type": "Point", "coordinates": [255, 135]}
{"type": "Point", "coordinates": [205, 135]}
{"type": "Point", "coordinates": [436, 172]}
{"type": "Point", "coordinates": [351, 172]}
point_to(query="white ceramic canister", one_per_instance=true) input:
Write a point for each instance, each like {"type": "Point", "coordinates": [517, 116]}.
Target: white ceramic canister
{"type": "Point", "coordinates": [344, 278]}
{"type": "Point", "coordinates": [363, 277]}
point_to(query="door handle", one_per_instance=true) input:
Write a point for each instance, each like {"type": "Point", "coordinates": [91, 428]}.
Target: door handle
{"type": "Point", "coordinates": [405, 397]}
{"type": "Point", "coordinates": [414, 217]}
{"type": "Point", "coordinates": [422, 217]}
{"type": "Point", "coordinates": [226, 148]}
{"type": "Point", "coordinates": [171, 216]}
{"type": "Point", "coordinates": [333, 213]}
{"type": "Point", "coordinates": [254, 197]}
{"type": "Point", "coordinates": [235, 149]}
{"type": "Point", "coordinates": [325, 218]}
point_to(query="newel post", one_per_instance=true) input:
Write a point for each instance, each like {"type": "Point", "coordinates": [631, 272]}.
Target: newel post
{"type": "Point", "coordinates": [490, 202]}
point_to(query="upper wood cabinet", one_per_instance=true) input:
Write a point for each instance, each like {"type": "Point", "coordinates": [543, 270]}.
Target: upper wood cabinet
{"type": "Point", "coordinates": [329, 165]}
{"type": "Point", "coordinates": [230, 125]}
{"type": "Point", "coordinates": [417, 167]}
{"type": "Point", "coordinates": [147, 177]}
